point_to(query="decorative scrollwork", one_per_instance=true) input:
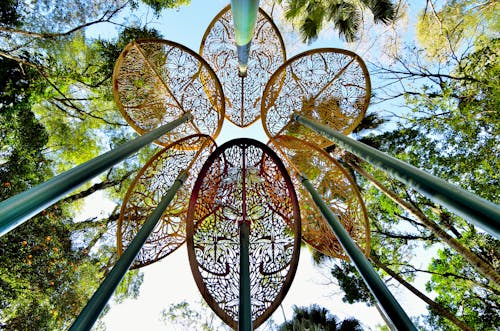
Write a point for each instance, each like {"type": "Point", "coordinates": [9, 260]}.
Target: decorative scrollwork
{"type": "Point", "coordinates": [243, 181]}
{"type": "Point", "coordinates": [338, 190]}
{"type": "Point", "coordinates": [329, 85]}
{"type": "Point", "coordinates": [267, 53]}
{"type": "Point", "coordinates": [148, 188]}
{"type": "Point", "coordinates": [157, 81]}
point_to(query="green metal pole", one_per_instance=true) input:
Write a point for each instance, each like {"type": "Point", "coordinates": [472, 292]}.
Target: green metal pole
{"type": "Point", "coordinates": [481, 212]}
{"type": "Point", "coordinates": [96, 304]}
{"type": "Point", "coordinates": [19, 208]}
{"type": "Point", "coordinates": [245, 300]}
{"type": "Point", "coordinates": [244, 19]}
{"type": "Point", "coordinates": [245, 308]}
{"type": "Point", "coordinates": [387, 301]}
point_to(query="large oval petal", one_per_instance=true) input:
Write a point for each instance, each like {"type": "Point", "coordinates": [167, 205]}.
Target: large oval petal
{"type": "Point", "coordinates": [157, 81]}
{"type": "Point", "coordinates": [243, 181]}
{"type": "Point", "coordinates": [146, 191]}
{"type": "Point", "coordinates": [337, 188]}
{"type": "Point", "coordinates": [328, 85]}
{"type": "Point", "coordinates": [267, 53]}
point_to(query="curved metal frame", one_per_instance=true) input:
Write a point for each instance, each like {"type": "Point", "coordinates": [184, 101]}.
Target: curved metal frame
{"type": "Point", "coordinates": [270, 96]}
{"type": "Point", "coordinates": [188, 184]}
{"type": "Point", "coordinates": [248, 78]}
{"type": "Point", "coordinates": [305, 198]}
{"type": "Point", "coordinates": [216, 97]}
{"type": "Point", "coordinates": [190, 229]}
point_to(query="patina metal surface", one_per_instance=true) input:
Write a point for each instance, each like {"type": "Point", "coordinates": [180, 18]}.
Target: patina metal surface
{"type": "Point", "coordinates": [146, 191]}
{"type": "Point", "coordinates": [336, 187]}
{"type": "Point", "coordinates": [267, 53]}
{"type": "Point", "coordinates": [157, 81]}
{"type": "Point", "coordinates": [329, 85]}
{"type": "Point", "coordinates": [243, 181]}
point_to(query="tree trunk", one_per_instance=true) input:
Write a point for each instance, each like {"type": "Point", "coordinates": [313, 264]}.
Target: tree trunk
{"type": "Point", "coordinates": [480, 265]}
{"type": "Point", "coordinates": [436, 307]}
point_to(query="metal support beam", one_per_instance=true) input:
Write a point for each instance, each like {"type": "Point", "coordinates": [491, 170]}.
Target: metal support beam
{"type": "Point", "coordinates": [245, 308]}
{"type": "Point", "coordinates": [96, 304]}
{"type": "Point", "coordinates": [244, 19]}
{"type": "Point", "coordinates": [19, 208]}
{"type": "Point", "coordinates": [377, 287]}
{"type": "Point", "coordinates": [245, 300]}
{"type": "Point", "coordinates": [481, 212]}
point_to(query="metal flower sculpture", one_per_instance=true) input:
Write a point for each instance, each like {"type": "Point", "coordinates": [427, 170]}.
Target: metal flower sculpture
{"type": "Point", "coordinates": [329, 85]}
{"type": "Point", "coordinates": [145, 192]}
{"type": "Point", "coordinates": [337, 189]}
{"type": "Point", "coordinates": [243, 183]}
{"type": "Point", "coordinates": [158, 81]}
{"type": "Point", "coordinates": [243, 94]}
{"type": "Point", "coordinates": [242, 225]}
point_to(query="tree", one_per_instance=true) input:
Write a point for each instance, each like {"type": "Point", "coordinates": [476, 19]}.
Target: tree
{"type": "Point", "coordinates": [182, 315]}
{"type": "Point", "coordinates": [316, 318]}
{"type": "Point", "coordinates": [455, 25]}
{"type": "Point", "coordinates": [313, 15]}
{"type": "Point", "coordinates": [158, 5]}
{"type": "Point", "coordinates": [49, 266]}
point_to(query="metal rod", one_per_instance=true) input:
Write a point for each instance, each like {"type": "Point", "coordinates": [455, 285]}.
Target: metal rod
{"type": "Point", "coordinates": [244, 19]}
{"type": "Point", "coordinates": [245, 301]}
{"type": "Point", "coordinates": [19, 208]}
{"type": "Point", "coordinates": [96, 304]}
{"type": "Point", "coordinates": [481, 212]}
{"type": "Point", "coordinates": [377, 287]}
{"type": "Point", "coordinates": [245, 309]}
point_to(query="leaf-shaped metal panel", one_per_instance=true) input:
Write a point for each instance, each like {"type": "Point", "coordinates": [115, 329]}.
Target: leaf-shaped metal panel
{"type": "Point", "coordinates": [329, 85]}
{"type": "Point", "coordinates": [243, 181]}
{"type": "Point", "coordinates": [338, 190]}
{"type": "Point", "coordinates": [146, 191]}
{"type": "Point", "coordinates": [267, 53]}
{"type": "Point", "coordinates": [157, 81]}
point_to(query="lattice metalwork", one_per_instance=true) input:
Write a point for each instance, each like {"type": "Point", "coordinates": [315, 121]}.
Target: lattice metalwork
{"type": "Point", "coordinates": [338, 190]}
{"type": "Point", "coordinates": [329, 85]}
{"type": "Point", "coordinates": [157, 81]}
{"type": "Point", "coordinates": [267, 53]}
{"type": "Point", "coordinates": [243, 181]}
{"type": "Point", "coordinates": [146, 191]}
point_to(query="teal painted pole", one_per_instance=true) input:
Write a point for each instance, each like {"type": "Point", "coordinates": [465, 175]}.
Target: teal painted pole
{"type": "Point", "coordinates": [245, 300]}
{"type": "Point", "coordinates": [245, 308]}
{"type": "Point", "coordinates": [481, 212]}
{"type": "Point", "coordinates": [387, 301]}
{"type": "Point", "coordinates": [19, 208]}
{"type": "Point", "coordinates": [96, 304]}
{"type": "Point", "coordinates": [244, 19]}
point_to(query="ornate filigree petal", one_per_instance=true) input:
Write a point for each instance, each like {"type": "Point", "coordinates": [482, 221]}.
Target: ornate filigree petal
{"type": "Point", "coordinates": [329, 85]}
{"type": "Point", "coordinates": [148, 188]}
{"type": "Point", "coordinates": [157, 81]}
{"type": "Point", "coordinates": [267, 53]}
{"type": "Point", "coordinates": [243, 181]}
{"type": "Point", "coordinates": [338, 190]}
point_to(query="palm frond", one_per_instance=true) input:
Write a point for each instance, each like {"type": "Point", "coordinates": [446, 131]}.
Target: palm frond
{"type": "Point", "coordinates": [313, 22]}
{"type": "Point", "coordinates": [346, 18]}
{"type": "Point", "coordinates": [295, 8]}
{"type": "Point", "coordinates": [383, 10]}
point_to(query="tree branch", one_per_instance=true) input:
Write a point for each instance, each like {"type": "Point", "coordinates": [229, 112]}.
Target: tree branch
{"type": "Point", "coordinates": [432, 304]}
{"type": "Point", "coordinates": [105, 18]}
{"type": "Point", "coordinates": [96, 187]}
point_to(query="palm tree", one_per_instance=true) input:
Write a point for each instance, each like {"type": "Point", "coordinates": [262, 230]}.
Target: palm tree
{"type": "Point", "coordinates": [312, 15]}
{"type": "Point", "coordinates": [316, 318]}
